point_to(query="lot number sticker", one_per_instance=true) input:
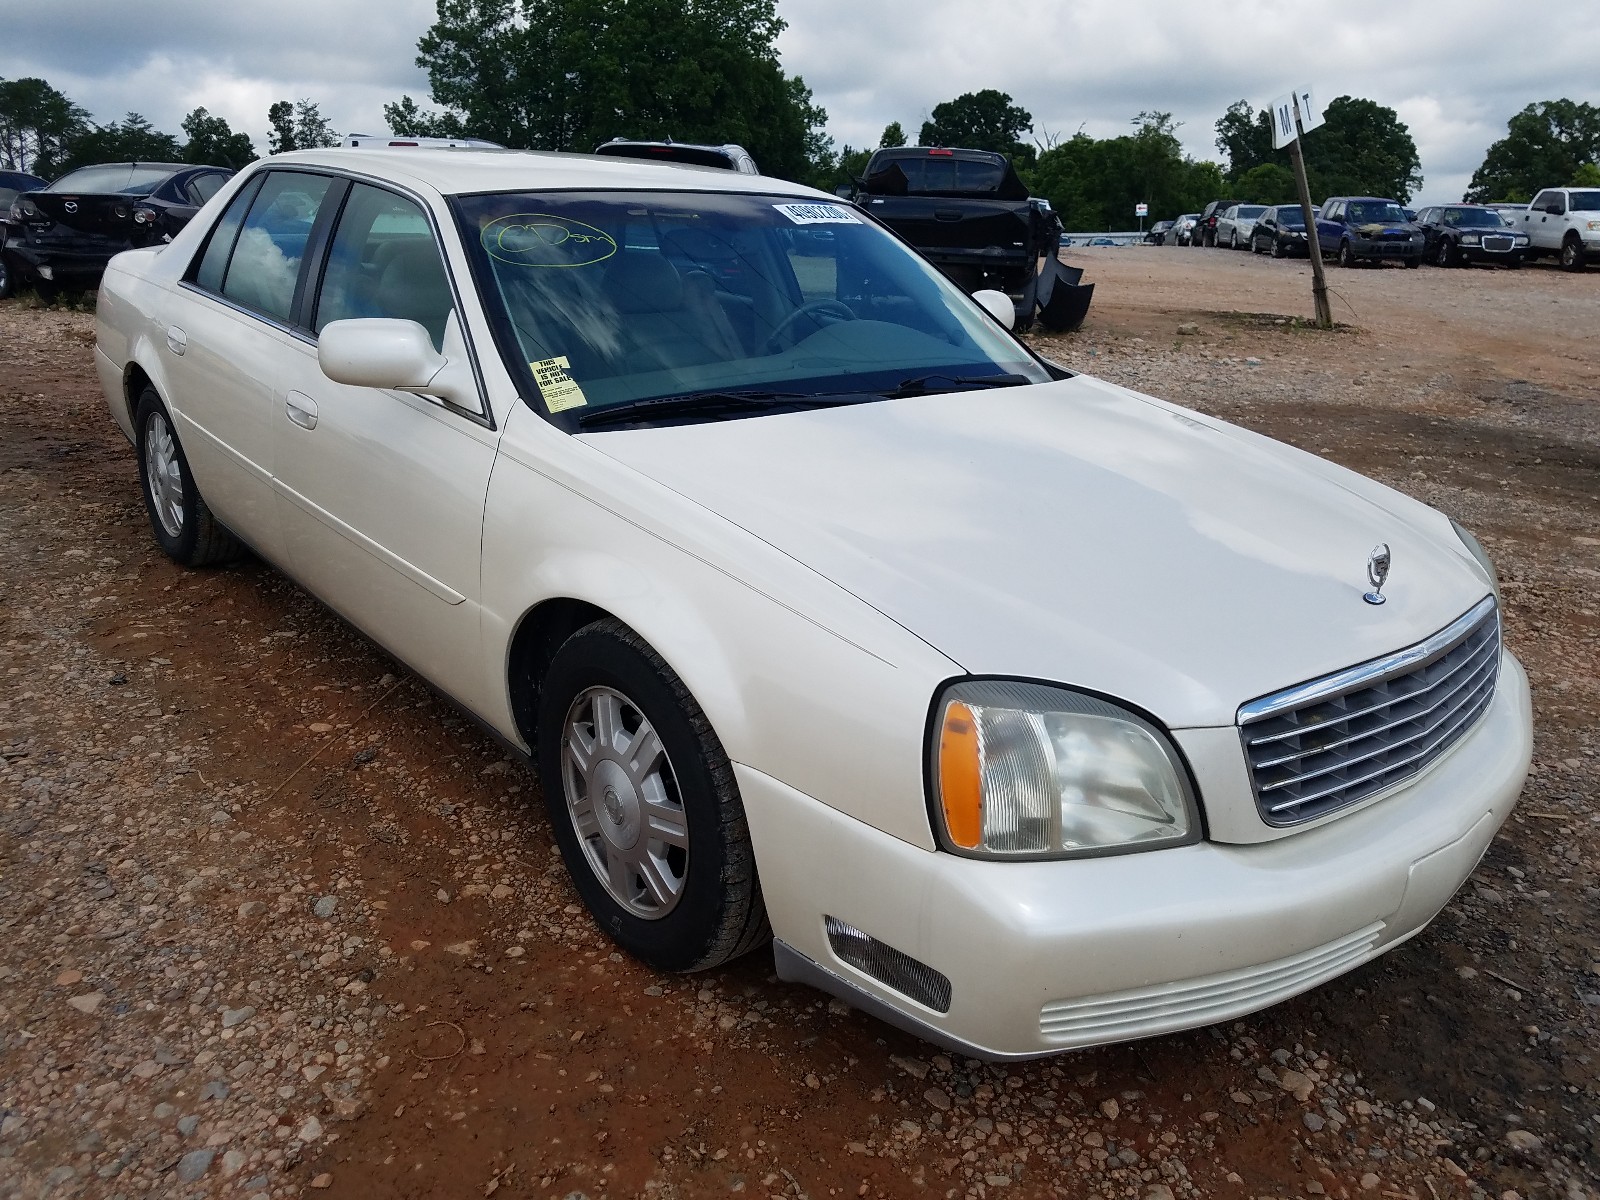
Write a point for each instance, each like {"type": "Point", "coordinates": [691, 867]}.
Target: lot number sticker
{"type": "Point", "coordinates": [817, 214]}
{"type": "Point", "coordinates": [560, 390]}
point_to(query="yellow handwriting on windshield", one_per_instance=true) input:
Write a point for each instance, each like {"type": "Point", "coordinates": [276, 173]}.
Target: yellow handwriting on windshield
{"type": "Point", "coordinates": [546, 240]}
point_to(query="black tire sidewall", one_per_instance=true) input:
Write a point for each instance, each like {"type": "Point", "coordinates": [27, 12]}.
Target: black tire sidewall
{"type": "Point", "coordinates": [680, 940]}
{"type": "Point", "coordinates": [183, 546]}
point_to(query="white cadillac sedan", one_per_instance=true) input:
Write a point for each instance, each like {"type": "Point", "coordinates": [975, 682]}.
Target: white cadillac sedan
{"type": "Point", "coordinates": [1024, 711]}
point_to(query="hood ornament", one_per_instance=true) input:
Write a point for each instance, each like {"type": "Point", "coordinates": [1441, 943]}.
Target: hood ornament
{"type": "Point", "coordinates": [1377, 573]}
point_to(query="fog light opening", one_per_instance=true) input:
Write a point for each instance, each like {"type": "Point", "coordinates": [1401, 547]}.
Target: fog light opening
{"type": "Point", "coordinates": [890, 967]}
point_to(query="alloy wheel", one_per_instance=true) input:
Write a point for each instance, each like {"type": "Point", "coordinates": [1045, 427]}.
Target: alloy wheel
{"type": "Point", "coordinates": [622, 797]}
{"type": "Point", "coordinates": [163, 473]}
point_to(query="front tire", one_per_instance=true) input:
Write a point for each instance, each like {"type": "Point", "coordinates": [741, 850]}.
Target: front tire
{"type": "Point", "coordinates": [644, 805]}
{"type": "Point", "coordinates": [1572, 254]}
{"type": "Point", "coordinates": [1445, 255]}
{"type": "Point", "coordinates": [8, 277]}
{"type": "Point", "coordinates": [1278, 250]}
{"type": "Point", "coordinates": [183, 525]}
{"type": "Point", "coordinates": [1347, 256]}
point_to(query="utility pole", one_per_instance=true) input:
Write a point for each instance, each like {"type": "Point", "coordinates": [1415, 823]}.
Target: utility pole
{"type": "Point", "coordinates": [1319, 281]}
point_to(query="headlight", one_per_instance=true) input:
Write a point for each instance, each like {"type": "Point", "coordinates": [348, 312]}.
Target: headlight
{"type": "Point", "coordinates": [1026, 771]}
{"type": "Point", "coordinates": [1475, 548]}
{"type": "Point", "coordinates": [1469, 239]}
{"type": "Point", "coordinates": [1594, 225]}
{"type": "Point", "coordinates": [1520, 240]}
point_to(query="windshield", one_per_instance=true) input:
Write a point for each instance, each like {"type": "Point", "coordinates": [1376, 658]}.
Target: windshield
{"type": "Point", "coordinates": [1472, 216]}
{"type": "Point", "coordinates": [610, 298]}
{"type": "Point", "coordinates": [1583, 201]}
{"type": "Point", "coordinates": [132, 179]}
{"type": "Point", "coordinates": [1250, 211]}
{"type": "Point", "coordinates": [1292, 217]}
{"type": "Point", "coordinates": [1372, 212]}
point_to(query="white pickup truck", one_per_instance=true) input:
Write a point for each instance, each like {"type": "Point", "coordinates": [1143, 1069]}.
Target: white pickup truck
{"type": "Point", "coordinates": [1564, 222]}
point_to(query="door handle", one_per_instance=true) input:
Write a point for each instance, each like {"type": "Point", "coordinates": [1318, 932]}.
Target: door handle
{"type": "Point", "coordinates": [177, 340]}
{"type": "Point", "coordinates": [302, 410]}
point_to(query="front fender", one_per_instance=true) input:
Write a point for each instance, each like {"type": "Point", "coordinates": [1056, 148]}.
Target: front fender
{"type": "Point", "coordinates": [800, 680]}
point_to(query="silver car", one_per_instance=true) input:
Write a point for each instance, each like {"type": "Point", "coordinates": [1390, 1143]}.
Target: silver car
{"type": "Point", "coordinates": [1236, 224]}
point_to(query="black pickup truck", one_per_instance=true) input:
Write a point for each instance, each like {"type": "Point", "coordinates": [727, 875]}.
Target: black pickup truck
{"type": "Point", "coordinates": [969, 214]}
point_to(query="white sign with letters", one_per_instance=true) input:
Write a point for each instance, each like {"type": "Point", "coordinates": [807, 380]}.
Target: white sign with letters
{"type": "Point", "coordinates": [1141, 210]}
{"type": "Point", "coordinates": [1283, 112]}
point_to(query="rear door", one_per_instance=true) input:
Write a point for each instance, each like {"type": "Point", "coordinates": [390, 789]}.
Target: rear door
{"type": "Point", "coordinates": [381, 493]}
{"type": "Point", "coordinates": [227, 337]}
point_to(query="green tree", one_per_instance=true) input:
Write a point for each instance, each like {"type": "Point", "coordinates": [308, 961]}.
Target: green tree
{"type": "Point", "coordinates": [132, 139]}
{"type": "Point", "coordinates": [569, 74]}
{"type": "Point", "coordinates": [213, 142]}
{"type": "Point", "coordinates": [298, 126]}
{"type": "Point", "coordinates": [1545, 145]}
{"type": "Point", "coordinates": [1361, 149]}
{"type": "Point", "coordinates": [406, 118]}
{"type": "Point", "coordinates": [1094, 183]}
{"type": "Point", "coordinates": [1245, 136]}
{"type": "Point", "coordinates": [1587, 175]}
{"type": "Point", "coordinates": [986, 120]}
{"type": "Point", "coordinates": [1267, 183]}
{"type": "Point", "coordinates": [36, 124]}
{"type": "Point", "coordinates": [893, 136]}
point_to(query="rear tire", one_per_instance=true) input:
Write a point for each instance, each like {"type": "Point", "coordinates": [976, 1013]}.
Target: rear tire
{"type": "Point", "coordinates": [644, 805]}
{"type": "Point", "coordinates": [183, 525]}
{"type": "Point", "coordinates": [8, 277]}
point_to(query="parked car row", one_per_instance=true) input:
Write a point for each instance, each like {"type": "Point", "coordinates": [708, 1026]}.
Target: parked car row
{"type": "Point", "coordinates": [1562, 223]}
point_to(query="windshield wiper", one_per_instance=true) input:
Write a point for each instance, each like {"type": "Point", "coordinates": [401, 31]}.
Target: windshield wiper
{"type": "Point", "coordinates": [922, 385]}
{"type": "Point", "coordinates": [693, 404]}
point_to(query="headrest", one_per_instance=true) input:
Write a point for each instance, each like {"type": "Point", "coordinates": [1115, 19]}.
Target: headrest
{"type": "Point", "coordinates": [643, 283]}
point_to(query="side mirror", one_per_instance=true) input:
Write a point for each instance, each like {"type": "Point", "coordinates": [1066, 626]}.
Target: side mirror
{"type": "Point", "coordinates": [998, 305]}
{"type": "Point", "coordinates": [843, 191]}
{"type": "Point", "coordinates": [1555, 210]}
{"type": "Point", "coordinates": [385, 352]}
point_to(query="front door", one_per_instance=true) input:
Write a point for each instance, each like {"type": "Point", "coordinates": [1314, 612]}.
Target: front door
{"type": "Point", "coordinates": [381, 493]}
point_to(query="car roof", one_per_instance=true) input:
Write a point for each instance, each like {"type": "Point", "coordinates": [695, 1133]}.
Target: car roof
{"type": "Point", "coordinates": [454, 172]}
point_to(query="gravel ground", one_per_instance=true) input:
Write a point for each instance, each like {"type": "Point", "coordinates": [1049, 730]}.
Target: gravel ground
{"type": "Point", "coordinates": [276, 920]}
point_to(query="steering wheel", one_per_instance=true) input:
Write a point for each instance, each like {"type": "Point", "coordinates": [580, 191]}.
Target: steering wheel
{"type": "Point", "coordinates": [783, 337]}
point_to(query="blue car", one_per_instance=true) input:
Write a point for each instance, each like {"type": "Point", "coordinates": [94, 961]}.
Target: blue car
{"type": "Point", "coordinates": [1354, 229]}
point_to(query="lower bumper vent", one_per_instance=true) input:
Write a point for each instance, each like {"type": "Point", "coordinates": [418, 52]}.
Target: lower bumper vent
{"type": "Point", "coordinates": [890, 967]}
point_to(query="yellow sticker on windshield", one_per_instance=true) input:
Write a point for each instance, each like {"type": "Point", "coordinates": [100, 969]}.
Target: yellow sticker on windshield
{"type": "Point", "coordinates": [560, 390]}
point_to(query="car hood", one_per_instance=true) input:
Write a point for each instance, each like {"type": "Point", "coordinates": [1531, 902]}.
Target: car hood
{"type": "Point", "coordinates": [1079, 533]}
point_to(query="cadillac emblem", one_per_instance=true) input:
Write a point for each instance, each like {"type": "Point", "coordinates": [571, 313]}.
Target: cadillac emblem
{"type": "Point", "coordinates": [1377, 573]}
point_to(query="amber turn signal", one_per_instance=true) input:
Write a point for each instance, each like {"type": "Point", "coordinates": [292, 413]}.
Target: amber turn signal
{"type": "Point", "coordinates": [961, 777]}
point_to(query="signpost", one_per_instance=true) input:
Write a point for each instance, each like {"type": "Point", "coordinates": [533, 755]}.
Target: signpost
{"type": "Point", "coordinates": [1292, 116]}
{"type": "Point", "coordinates": [1141, 211]}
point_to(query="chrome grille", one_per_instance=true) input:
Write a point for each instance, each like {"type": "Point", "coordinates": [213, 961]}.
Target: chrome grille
{"type": "Point", "coordinates": [1497, 242]}
{"type": "Point", "coordinates": [1321, 746]}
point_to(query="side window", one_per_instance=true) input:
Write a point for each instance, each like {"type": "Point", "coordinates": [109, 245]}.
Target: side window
{"type": "Point", "coordinates": [1541, 200]}
{"type": "Point", "coordinates": [202, 187]}
{"type": "Point", "coordinates": [813, 257]}
{"type": "Point", "coordinates": [266, 262]}
{"type": "Point", "coordinates": [385, 263]}
{"type": "Point", "coordinates": [214, 260]}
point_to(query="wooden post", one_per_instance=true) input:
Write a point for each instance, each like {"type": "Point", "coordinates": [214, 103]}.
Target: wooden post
{"type": "Point", "coordinates": [1319, 282]}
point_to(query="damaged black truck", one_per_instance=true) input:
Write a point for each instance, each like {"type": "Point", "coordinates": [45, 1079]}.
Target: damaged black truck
{"type": "Point", "coordinates": [968, 213]}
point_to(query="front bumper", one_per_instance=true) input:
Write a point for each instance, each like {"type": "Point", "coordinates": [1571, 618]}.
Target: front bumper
{"type": "Point", "coordinates": [1047, 957]}
{"type": "Point", "coordinates": [1365, 248]}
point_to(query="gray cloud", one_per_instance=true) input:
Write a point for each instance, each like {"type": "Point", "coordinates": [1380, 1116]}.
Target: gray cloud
{"type": "Point", "coordinates": [1454, 76]}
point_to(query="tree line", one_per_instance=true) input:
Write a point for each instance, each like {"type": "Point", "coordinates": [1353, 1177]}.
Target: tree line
{"type": "Point", "coordinates": [44, 133]}
{"type": "Point", "coordinates": [570, 74]}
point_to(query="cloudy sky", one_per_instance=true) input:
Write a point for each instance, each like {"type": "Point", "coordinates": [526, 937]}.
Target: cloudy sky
{"type": "Point", "coordinates": [1453, 71]}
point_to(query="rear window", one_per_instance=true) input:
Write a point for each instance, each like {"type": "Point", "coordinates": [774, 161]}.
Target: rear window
{"type": "Point", "coordinates": [942, 174]}
{"type": "Point", "coordinates": [132, 179]}
{"type": "Point", "coordinates": [695, 156]}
